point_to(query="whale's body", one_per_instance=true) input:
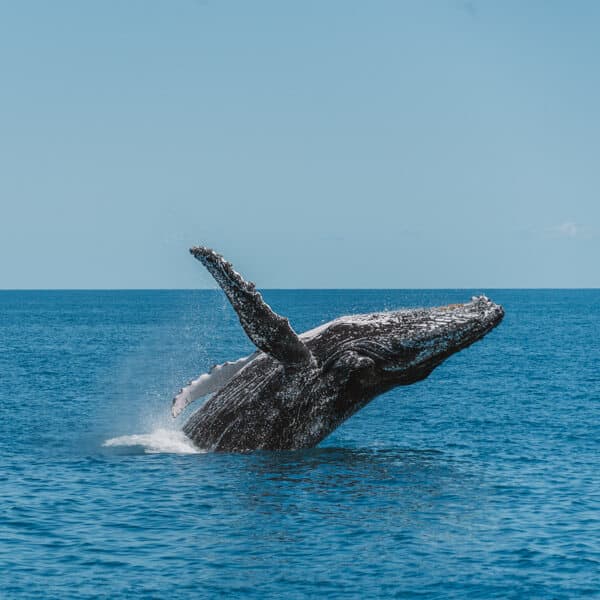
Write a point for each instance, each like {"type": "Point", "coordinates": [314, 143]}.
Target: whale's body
{"type": "Point", "coordinates": [295, 390]}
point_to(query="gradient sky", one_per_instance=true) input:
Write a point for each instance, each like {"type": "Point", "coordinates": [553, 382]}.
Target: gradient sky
{"type": "Point", "coordinates": [314, 144]}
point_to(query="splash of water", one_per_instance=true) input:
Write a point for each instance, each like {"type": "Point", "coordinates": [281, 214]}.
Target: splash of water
{"type": "Point", "coordinates": [160, 440]}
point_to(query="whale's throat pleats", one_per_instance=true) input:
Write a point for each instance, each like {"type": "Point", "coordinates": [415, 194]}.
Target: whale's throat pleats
{"type": "Point", "coordinates": [269, 331]}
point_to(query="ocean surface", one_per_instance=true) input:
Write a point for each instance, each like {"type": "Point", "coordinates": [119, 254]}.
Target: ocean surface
{"type": "Point", "coordinates": [482, 481]}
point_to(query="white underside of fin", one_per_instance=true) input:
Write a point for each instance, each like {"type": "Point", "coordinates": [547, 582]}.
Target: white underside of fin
{"type": "Point", "coordinates": [208, 383]}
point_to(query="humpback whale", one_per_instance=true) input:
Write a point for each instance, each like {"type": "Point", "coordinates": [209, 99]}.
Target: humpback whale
{"type": "Point", "coordinates": [296, 389]}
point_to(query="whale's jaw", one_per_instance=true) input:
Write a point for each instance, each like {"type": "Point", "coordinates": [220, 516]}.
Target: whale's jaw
{"type": "Point", "coordinates": [434, 336]}
{"type": "Point", "coordinates": [396, 343]}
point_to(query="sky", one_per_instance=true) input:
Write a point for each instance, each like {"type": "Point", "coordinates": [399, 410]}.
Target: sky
{"type": "Point", "coordinates": [334, 144]}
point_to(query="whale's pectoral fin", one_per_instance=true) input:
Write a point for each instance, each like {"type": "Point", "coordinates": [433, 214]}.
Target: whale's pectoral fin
{"type": "Point", "coordinates": [269, 331]}
{"type": "Point", "coordinates": [207, 383]}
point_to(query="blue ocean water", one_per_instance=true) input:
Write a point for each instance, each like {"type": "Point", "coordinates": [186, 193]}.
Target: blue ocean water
{"type": "Point", "coordinates": [482, 481]}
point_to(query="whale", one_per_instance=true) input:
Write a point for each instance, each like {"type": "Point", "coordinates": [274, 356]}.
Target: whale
{"type": "Point", "coordinates": [295, 389]}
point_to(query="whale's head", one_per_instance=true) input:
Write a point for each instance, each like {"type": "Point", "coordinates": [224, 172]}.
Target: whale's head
{"type": "Point", "coordinates": [404, 346]}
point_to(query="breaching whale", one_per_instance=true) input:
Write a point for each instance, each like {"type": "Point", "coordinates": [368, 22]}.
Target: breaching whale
{"type": "Point", "coordinates": [296, 389]}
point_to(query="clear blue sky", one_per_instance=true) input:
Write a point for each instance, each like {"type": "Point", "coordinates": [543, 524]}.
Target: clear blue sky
{"type": "Point", "coordinates": [315, 144]}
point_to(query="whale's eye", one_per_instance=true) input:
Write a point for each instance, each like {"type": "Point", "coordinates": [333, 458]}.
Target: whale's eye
{"type": "Point", "coordinates": [349, 361]}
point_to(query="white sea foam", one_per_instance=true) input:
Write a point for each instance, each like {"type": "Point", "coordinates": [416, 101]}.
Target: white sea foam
{"type": "Point", "coordinates": [160, 440]}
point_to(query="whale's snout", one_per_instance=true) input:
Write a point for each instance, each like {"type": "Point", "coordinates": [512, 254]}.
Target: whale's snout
{"type": "Point", "coordinates": [487, 312]}
{"type": "Point", "coordinates": [460, 325]}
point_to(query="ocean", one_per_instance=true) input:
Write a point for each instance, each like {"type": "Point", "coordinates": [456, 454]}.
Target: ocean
{"type": "Point", "coordinates": [483, 481]}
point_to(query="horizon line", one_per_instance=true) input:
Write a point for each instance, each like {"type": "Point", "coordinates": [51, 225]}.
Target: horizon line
{"type": "Point", "coordinates": [291, 289]}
